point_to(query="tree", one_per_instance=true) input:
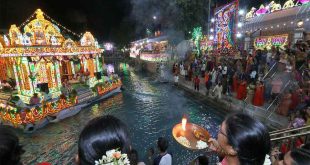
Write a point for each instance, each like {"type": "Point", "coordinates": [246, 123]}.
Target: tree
{"type": "Point", "coordinates": [192, 14]}
{"type": "Point", "coordinates": [172, 15]}
{"type": "Point", "coordinates": [197, 37]}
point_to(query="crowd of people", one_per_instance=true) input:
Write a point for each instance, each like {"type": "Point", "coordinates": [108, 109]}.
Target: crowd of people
{"type": "Point", "coordinates": [241, 140]}
{"type": "Point", "coordinates": [256, 77]}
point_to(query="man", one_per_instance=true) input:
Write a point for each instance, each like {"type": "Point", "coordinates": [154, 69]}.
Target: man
{"type": "Point", "coordinates": [164, 158]}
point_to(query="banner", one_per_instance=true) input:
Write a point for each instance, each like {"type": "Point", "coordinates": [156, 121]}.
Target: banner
{"type": "Point", "coordinates": [225, 25]}
{"type": "Point", "coordinates": [266, 42]}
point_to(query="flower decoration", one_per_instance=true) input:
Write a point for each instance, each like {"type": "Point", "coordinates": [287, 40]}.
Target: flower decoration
{"type": "Point", "coordinates": [113, 157]}
{"type": "Point", "coordinates": [267, 160]}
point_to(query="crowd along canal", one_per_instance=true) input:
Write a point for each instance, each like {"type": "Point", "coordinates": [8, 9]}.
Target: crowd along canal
{"type": "Point", "coordinates": [149, 108]}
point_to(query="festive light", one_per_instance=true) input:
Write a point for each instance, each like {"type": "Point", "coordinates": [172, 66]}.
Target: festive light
{"type": "Point", "coordinates": [273, 7]}
{"type": "Point", "coordinates": [239, 35]}
{"type": "Point", "coordinates": [269, 41]}
{"type": "Point", "coordinates": [240, 25]}
{"type": "Point", "coordinates": [108, 46]}
{"type": "Point", "coordinates": [225, 26]}
{"type": "Point", "coordinates": [212, 20]}
{"type": "Point", "coordinates": [12, 115]}
{"type": "Point", "coordinates": [196, 37]}
{"type": "Point", "coordinates": [154, 57]}
{"type": "Point", "coordinates": [241, 12]}
{"type": "Point", "coordinates": [300, 23]}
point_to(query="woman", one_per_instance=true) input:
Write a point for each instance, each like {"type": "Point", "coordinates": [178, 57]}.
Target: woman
{"type": "Point", "coordinates": [242, 93]}
{"type": "Point", "coordinates": [235, 83]}
{"type": "Point", "coordinates": [259, 95]}
{"type": "Point", "coordinates": [298, 156]}
{"type": "Point", "coordinates": [285, 103]}
{"type": "Point", "coordinates": [100, 135]}
{"type": "Point", "coordinates": [242, 140]}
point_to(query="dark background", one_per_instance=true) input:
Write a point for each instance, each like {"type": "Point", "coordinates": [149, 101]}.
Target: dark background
{"type": "Point", "coordinates": [108, 20]}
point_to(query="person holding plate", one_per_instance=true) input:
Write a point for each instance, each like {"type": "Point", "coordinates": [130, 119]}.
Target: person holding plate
{"type": "Point", "coordinates": [241, 140]}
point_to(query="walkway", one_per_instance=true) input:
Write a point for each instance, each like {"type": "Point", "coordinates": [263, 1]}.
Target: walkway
{"type": "Point", "coordinates": [231, 104]}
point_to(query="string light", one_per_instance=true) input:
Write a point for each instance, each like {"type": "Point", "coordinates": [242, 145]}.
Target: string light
{"type": "Point", "coordinates": [55, 22]}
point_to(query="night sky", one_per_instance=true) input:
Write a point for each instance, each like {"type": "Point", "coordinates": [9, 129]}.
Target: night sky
{"type": "Point", "coordinates": [108, 20]}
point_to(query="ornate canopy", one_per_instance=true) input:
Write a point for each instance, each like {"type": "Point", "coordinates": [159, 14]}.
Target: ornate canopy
{"type": "Point", "coordinates": [41, 37]}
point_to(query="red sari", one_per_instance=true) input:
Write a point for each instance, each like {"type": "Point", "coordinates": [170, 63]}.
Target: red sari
{"type": "Point", "coordinates": [235, 84]}
{"type": "Point", "coordinates": [258, 99]}
{"type": "Point", "coordinates": [294, 101]}
{"type": "Point", "coordinates": [241, 93]}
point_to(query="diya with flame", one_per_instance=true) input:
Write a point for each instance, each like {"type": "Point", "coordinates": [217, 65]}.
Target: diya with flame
{"type": "Point", "coordinates": [188, 134]}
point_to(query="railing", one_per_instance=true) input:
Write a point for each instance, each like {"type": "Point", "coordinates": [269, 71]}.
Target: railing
{"type": "Point", "coordinates": [271, 71]}
{"type": "Point", "coordinates": [290, 136]}
{"type": "Point", "coordinates": [288, 130]}
{"type": "Point", "coordinates": [276, 101]}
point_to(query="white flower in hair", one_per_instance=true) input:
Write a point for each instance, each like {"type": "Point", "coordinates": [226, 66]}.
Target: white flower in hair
{"type": "Point", "coordinates": [113, 157]}
{"type": "Point", "coordinates": [267, 160]}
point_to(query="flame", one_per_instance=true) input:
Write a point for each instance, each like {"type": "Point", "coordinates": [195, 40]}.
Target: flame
{"type": "Point", "coordinates": [184, 121]}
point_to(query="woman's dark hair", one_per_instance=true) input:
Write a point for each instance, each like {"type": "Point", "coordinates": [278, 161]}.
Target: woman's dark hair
{"type": "Point", "coordinates": [133, 157]}
{"type": "Point", "coordinates": [203, 160]}
{"type": "Point", "coordinates": [301, 156]}
{"type": "Point", "coordinates": [10, 149]}
{"type": "Point", "coordinates": [100, 135]}
{"type": "Point", "coordinates": [248, 137]}
{"type": "Point", "coordinates": [162, 144]}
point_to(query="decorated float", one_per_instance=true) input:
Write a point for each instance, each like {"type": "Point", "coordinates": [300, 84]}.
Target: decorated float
{"type": "Point", "coordinates": [151, 49]}
{"type": "Point", "coordinates": [276, 24]}
{"type": "Point", "coordinates": [36, 57]}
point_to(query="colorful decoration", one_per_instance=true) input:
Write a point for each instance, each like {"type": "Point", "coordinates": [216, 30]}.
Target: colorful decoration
{"type": "Point", "coordinates": [273, 7]}
{"type": "Point", "coordinates": [303, 1]}
{"type": "Point", "coordinates": [44, 45]}
{"type": "Point", "coordinates": [108, 46]}
{"type": "Point", "coordinates": [267, 42]}
{"type": "Point", "coordinates": [88, 40]}
{"type": "Point", "coordinates": [262, 10]}
{"type": "Point", "coordinates": [251, 13]}
{"type": "Point", "coordinates": [288, 4]}
{"type": "Point", "coordinates": [225, 25]}
{"type": "Point", "coordinates": [13, 115]}
{"type": "Point", "coordinates": [106, 87]}
{"type": "Point", "coordinates": [197, 37]}
{"type": "Point", "coordinates": [155, 57]}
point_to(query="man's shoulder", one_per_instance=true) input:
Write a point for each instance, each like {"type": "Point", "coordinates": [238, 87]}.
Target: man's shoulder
{"type": "Point", "coordinates": [167, 156]}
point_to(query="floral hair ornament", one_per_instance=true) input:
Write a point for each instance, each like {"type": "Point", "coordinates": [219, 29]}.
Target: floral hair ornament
{"type": "Point", "coordinates": [113, 157]}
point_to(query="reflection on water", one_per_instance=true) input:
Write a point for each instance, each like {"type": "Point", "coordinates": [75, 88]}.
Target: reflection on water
{"type": "Point", "coordinates": [150, 110]}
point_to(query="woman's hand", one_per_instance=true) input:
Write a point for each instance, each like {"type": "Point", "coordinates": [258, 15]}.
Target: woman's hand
{"type": "Point", "coordinates": [214, 145]}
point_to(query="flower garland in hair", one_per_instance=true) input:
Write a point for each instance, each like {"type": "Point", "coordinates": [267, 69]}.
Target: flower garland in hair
{"type": "Point", "coordinates": [267, 160]}
{"type": "Point", "coordinates": [113, 157]}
